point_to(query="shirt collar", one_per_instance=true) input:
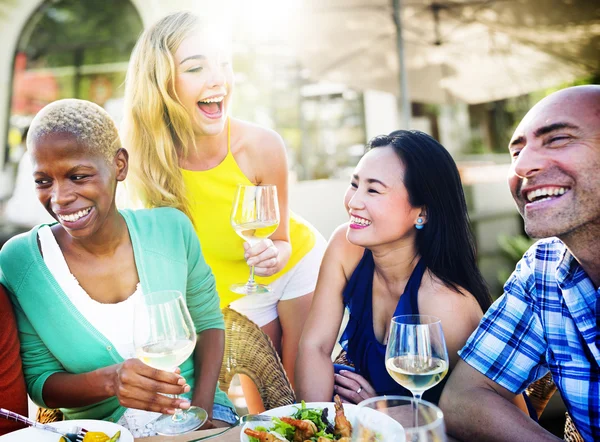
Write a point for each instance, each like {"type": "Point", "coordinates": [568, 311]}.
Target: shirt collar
{"type": "Point", "coordinates": [567, 267]}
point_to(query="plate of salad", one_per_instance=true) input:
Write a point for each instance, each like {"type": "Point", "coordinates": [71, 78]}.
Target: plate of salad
{"type": "Point", "coordinates": [317, 422]}
{"type": "Point", "coordinates": [296, 419]}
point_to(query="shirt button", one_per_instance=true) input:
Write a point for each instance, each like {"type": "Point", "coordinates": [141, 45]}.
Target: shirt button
{"type": "Point", "coordinates": [109, 348]}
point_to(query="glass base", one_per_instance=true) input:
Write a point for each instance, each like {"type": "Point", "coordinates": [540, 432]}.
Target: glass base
{"type": "Point", "coordinates": [248, 289]}
{"type": "Point", "coordinates": [192, 418]}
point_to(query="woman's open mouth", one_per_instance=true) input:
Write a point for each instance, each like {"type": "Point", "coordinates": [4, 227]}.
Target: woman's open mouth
{"type": "Point", "coordinates": [212, 107]}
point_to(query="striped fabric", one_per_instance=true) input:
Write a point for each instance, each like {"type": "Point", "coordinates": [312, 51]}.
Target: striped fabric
{"type": "Point", "coordinates": [547, 319]}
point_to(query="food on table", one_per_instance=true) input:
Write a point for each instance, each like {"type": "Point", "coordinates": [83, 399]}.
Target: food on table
{"type": "Point", "coordinates": [306, 425]}
{"type": "Point", "coordinates": [115, 437]}
{"type": "Point", "coordinates": [366, 435]}
{"type": "Point", "coordinates": [305, 429]}
{"type": "Point", "coordinates": [263, 436]}
{"type": "Point", "coordinates": [98, 436]}
{"type": "Point", "coordinates": [342, 426]}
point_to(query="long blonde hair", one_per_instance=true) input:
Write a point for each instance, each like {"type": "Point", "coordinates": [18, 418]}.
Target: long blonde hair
{"type": "Point", "coordinates": [156, 127]}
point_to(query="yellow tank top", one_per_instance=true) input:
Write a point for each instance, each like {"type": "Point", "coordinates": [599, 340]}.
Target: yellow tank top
{"type": "Point", "coordinates": [211, 193]}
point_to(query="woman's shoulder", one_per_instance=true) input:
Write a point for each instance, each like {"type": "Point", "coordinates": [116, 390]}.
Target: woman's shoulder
{"type": "Point", "coordinates": [20, 245]}
{"type": "Point", "coordinates": [343, 251]}
{"type": "Point", "coordinates": [157, 220]}
{"type": "Point", "coordinates": [438, 299]}
{"type": "Point", "coordinates": [18, 257]}
{"type": "Point", "coordinates": [154, 213]}
{"type": "Point", "coordinates": [253, 138]}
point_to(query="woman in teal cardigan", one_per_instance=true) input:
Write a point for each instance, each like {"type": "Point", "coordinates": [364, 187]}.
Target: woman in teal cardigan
{"type": "Point", "coordinates": [93, 261]}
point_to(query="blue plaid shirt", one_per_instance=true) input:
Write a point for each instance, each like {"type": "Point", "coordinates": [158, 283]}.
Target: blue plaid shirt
{"type": "Point", "coordinates": [546, 320]}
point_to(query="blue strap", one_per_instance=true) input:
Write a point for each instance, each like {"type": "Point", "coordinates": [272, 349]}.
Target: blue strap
{"type": "Point", "coordinates": [409, 301]}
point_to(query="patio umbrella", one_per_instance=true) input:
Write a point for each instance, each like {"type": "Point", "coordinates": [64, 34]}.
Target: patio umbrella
{"type": "Point", "coordinates": [472, 51]}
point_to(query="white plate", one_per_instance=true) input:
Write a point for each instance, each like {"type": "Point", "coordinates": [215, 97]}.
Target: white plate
{"type": "Point", "coordinates": [389, 430]}
{"type": "Point", "coordinates": [288, 410]}
{"type": "Point", "coordinates": [35, 434]}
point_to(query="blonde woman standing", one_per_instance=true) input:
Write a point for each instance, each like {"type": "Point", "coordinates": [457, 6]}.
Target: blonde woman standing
{"type": "Point", "coordinates": [189, 154]}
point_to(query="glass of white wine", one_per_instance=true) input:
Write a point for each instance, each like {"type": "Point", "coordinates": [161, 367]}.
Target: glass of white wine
{"type": "Point", "coordinates": [164, 338]}
{"type": "Point", "coordinates": [254, 217]}
{"type": "Point", "coordinates": [416, 356]}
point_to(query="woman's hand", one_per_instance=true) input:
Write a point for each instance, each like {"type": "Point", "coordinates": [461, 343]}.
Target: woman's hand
{"type": "Point", "coordinates": [136, 385]}
{"type": "Point", "coordinates": [264, 256]}
{"type": "Point", "coordinates": [352, 387]}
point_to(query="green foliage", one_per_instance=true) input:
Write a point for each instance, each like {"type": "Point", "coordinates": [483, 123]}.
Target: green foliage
{"type": "Point", "coordinates": [106, 30]}
{"type": "Point", "coordinates": [513, 248]}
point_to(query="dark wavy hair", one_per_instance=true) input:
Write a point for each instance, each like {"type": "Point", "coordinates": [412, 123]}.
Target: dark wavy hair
{"type": "Point", "coordinates": [432, 180]}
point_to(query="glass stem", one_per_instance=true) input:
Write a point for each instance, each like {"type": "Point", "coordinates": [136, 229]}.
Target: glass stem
{"type": "Point", "coordinates": [251, 284]}
{"type": "Point", "coordinates": [179, 414]}
{"type": "Point", "coordinates": [415, 406]}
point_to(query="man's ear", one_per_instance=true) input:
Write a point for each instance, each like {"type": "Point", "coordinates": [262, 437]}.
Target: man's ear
{"type": "Point", "coordinates": [121, 162]}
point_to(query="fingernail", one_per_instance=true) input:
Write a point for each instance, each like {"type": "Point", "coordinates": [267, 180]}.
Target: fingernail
{"type": "Point", "coordinates": [181, 381]}
{"type": "Point", "coordinates": [187, 388]}
{"type": "Point", "coordinates": [343, 371]}
{"type": "Point", "coordinates": [184, 404]}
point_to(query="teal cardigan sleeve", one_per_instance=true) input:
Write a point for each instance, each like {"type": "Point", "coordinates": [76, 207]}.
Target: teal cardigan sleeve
{"type": "Point", "coordinates": [38, 362]}
{"type": "Point", "coordinates": [202, 297]}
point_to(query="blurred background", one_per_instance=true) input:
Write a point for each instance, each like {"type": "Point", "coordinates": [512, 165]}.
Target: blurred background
{"type": "Point", "coordinates": [327, 75]}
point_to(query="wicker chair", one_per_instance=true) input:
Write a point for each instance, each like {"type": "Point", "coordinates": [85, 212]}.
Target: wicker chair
{"type": "Point", "coordinates": [249, 351]}
{"type": "Point", "coordinates": [48, 415]}
{"type": "Point", "coordinates": [540, 392]}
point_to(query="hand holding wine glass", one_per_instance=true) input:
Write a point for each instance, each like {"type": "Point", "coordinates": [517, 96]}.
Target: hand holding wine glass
{"type": "Point", "coordinates": [164, 338]}
{"type": "Point", "coordinates": [416, 355]}
{"type": "Point", "coordinates": [254, 217]}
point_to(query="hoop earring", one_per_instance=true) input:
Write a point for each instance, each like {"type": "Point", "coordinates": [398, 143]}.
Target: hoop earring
{"type": "Point", "coordinates": [419, 224]}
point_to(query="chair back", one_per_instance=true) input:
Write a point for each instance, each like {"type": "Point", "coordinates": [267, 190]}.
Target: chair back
{"type": "Point", "coordinates": [249, 351]}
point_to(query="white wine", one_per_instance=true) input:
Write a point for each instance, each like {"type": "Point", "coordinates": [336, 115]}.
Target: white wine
{"type": "Point", "coordinates": [416, 373]}
{"type": "Point", "coordinates": [256, 231]}
{"type": "Point", "coordinates": [166, 355]}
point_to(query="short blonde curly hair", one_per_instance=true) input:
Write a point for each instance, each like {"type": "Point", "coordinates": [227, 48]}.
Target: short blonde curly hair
{"type": "Point", "coordinates": [91, 126]}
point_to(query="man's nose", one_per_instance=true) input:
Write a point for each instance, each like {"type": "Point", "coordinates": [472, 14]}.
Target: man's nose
{"type": "Point", "coordinates": [530, 161]}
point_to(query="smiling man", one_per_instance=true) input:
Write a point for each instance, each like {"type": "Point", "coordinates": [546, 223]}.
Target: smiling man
{"type": "Point", "coordinates": [549, 316]}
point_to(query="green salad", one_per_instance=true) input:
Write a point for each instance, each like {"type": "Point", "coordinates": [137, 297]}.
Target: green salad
{"type": "Point", "coordinates": [317, 416]}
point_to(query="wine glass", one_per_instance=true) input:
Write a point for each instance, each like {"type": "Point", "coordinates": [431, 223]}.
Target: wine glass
{"type": "Point", "coordinates": [416, 356]}
{"type": "Point", "coordinates": [378, 415]}
{"type": "Point", "coordinates": [164, 338]}
{"type": "Point", "coordinates": [254, 217]}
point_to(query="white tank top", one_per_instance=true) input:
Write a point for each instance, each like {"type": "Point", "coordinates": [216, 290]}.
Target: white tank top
{"type": "Point", "coordinates": [114, 321]}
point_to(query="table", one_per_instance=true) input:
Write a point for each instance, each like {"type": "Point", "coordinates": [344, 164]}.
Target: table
{"type": "Point", "coordinates": [232, 435]}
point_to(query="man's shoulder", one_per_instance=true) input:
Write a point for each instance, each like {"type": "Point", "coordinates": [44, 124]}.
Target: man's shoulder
{"type": "Point", "coordinates": [537, 269]}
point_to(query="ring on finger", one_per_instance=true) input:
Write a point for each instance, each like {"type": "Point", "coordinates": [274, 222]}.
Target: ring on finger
{"type": "Point", "coordinates": [359, 390]}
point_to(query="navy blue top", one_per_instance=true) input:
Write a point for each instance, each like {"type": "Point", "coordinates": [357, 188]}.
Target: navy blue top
{"type": "Point", "coordinates": [362, 348]}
